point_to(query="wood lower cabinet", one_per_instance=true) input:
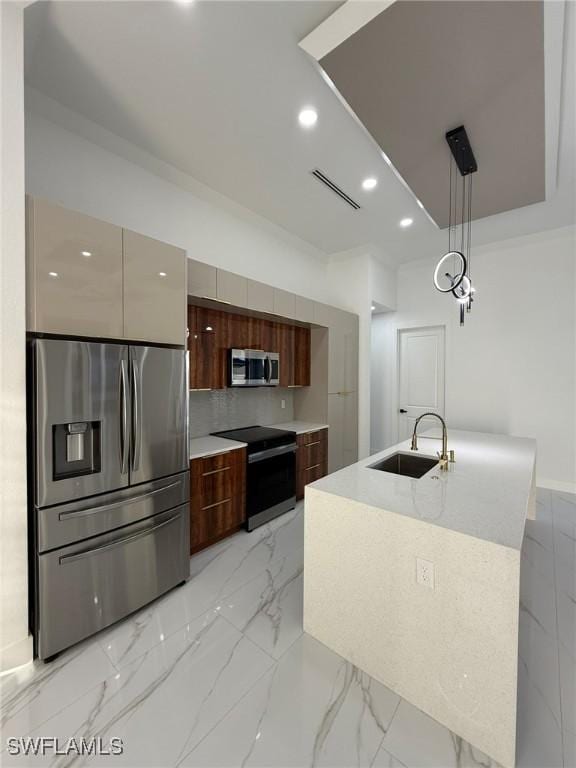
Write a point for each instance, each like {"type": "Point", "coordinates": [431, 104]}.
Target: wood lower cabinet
{"type": "Point", "coordinates": [311, 459]}
{"type": "Point", "coordinates": [218, 497]}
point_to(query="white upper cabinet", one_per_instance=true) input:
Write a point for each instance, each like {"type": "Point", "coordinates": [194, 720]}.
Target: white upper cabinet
{"type": "Point", "coordinates": [231, 288]}
{"type": "Point", "coordinates": [154, 296]}
{"type": "Point", "coordinates": [304, 311]}
{"type": "Point", "coordinates": [284, 303]}
{"type": "Point", "coordinates": [74, 272]}
{"type": "Point", "coordinates": [260, 297]}
{"type": "Point", "coordinates": [201, 279]}
{"type": "Point", "coordinates": [86, 277]}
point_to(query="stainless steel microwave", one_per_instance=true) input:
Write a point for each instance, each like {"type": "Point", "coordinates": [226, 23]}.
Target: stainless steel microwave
{"type": "Point", "coordinates": [254, 368]}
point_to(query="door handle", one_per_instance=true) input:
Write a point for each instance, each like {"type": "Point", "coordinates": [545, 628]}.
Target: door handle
{"type": "Point", "coordinates": [403, 410]}
{"type": "Point", "coordinates": [118, 542]}
{"type": "Point", "coordinates": [123, 420]}
{"type": "Point", "coordinates": [136, 429]}
{"type": "Point", "coordinates": [116, 504]}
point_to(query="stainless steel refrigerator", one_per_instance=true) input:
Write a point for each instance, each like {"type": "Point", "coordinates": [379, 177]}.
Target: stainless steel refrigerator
{"type": "Point", "coordinates": [109, 470]}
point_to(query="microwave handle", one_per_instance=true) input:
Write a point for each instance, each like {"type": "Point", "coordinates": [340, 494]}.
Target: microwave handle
{"type": "Point", "coordinates": [267, 370]}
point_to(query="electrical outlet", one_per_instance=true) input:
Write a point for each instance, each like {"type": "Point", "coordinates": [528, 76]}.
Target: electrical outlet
{"type": "Point", "coordinates": [282, 404]}
{"type": "Point", "coordinates": [425, 573]}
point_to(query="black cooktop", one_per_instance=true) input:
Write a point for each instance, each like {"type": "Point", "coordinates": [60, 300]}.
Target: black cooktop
{"type": "Point", "coordinates": [259, 438]}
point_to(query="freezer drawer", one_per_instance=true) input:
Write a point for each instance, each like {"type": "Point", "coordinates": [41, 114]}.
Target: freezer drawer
{"type": "Point", "coordinates": [70, 523]}
{"type": "Point", "coordinates": [86, 587]}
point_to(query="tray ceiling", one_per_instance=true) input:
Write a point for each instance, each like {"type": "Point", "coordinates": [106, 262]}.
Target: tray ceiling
{"type": "Point", "coordinates": [419, 69]}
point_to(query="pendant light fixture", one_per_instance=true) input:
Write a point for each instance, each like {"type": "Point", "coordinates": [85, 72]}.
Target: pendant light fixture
{"type": "Point", "coordinates": [453, 271]}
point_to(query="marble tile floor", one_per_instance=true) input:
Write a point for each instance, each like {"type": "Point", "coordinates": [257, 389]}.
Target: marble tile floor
{"type": "Point", "coordinates": [219, 672]}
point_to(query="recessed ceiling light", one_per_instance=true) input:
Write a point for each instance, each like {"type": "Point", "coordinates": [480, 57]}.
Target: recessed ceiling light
{"type": "Point", "coordinates": [308, 117]}
{"type": "Point", "coordinates": [53, 274]}
{"type": "Point", "coordinates": [407, 222]}
{"type": "Point", "coordinates": [161, 274]}
{"type": "Point", "coordinates": [369, 183]}
{"type": "Point", "coordinates": [372, 307]}
{"type": "Point", "coordinates": [86, 253]}
{"type": "Point", "coordinates": [184, 2]}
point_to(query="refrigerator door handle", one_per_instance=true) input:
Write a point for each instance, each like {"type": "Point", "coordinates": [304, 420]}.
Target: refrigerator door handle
{"type": "Point", "coordinates": [119, 542]}
{"type": "Point", "coordinates": [136, 427]}
{"type": "Point", "coordinates": [123, 419]}
{"type": "Point", "coordinates": [116, 504]}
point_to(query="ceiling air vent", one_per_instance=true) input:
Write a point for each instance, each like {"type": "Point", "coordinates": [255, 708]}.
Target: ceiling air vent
{"type": "Point", "coordinates": [335, 188]}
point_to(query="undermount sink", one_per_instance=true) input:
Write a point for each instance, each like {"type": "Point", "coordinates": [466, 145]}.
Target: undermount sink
{"type": "Point", "coordinates": [407, 464]}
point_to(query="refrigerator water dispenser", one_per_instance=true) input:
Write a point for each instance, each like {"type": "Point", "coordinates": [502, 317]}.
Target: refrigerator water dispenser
{"type": "Point", "coordinates": [76, 449]}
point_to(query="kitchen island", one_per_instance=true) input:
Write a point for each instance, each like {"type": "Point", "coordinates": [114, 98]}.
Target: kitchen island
{"type": "Point", "coordinates": [416, 581]}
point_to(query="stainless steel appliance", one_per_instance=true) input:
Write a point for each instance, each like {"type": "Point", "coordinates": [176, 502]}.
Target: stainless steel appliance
{"type": "Point", "coordinates": [270, 472]}
{"type": "Point", "coordinates": [254, 368]}
{"type": "Point", "coordinates": [109, 469]}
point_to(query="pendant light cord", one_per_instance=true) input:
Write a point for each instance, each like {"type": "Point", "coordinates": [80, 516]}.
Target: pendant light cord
{"type": "Point", "coordinates": [469, 254]}
{"type": "Point", "coordinates": [450, 205]}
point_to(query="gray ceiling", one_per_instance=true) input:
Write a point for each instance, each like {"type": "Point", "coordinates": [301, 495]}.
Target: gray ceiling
{"type": "Point", "coordinates": [421, 68]}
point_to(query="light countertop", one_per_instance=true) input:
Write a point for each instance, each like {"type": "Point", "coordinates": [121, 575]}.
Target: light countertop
{"type": "Point", "coordinates": [300, 427]}
{"type": "Point", "coordinates": [209, 446]}
{"type": "Point", "coordinates": [486, 493]}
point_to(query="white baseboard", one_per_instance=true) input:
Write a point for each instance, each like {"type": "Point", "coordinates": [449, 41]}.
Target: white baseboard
{"type": "Point", "coordinates": [556, 485]}
{"type": "Point", "coordinates": [16, 655]}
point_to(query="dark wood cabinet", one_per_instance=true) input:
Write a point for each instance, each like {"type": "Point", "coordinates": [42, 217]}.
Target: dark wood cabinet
{"type": "Point", "coordinates": [218, 497]}
{"type": "Point", "coordinates": [286, 349]}
{"type": "Point", "coordinates": [212, 332]}
{"type": "Point", "coordinates": [311, 459]}
{"type": "Point", "coordinates": [301, 361]}
{"type": "Point", "coordinates": [209, 331]}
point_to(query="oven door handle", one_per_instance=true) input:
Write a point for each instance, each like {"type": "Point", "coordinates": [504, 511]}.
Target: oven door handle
{"type": "Point", "coordinates": [271, 452]}
{"type": "Point", "coordinates": [118, 542]}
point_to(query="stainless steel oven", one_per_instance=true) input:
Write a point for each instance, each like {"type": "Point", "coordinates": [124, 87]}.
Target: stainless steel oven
{"type": "Point", "coordinates": [270, 484]}
{"type": "Point", "coordinates": [270, 472]}
{"type": "Point", "coordinates": [254, 368]}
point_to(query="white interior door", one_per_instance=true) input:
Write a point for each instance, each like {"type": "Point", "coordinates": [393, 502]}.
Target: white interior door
{"type": "Point", "coordinates": [421, 377]}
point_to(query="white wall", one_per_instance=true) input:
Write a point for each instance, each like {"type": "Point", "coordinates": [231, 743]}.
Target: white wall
{"type": "Point", "coordinates": [511, 368]}
{"type": "Point", "coordinates": [15, 644]}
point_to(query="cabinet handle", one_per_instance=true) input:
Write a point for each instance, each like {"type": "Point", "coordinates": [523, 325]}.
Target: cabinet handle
{"type": "Point", "coordinates": [309, 445]}
{"type": "Point", "coordinates": [314, 467]}
{"type": "Point", "coordinates": [217, 504]}
{"type": "Point", "coordinates": [214, 471]}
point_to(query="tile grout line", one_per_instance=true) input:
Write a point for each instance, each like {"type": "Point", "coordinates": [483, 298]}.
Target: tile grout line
{"type": "Point", "coordinates": [240, 700]}
{"type": "Point", "coordinates": [381, 744]}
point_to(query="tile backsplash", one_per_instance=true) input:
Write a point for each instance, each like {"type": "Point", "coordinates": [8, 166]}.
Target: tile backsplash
{"type": "Point", "coordinates": [234, 408]}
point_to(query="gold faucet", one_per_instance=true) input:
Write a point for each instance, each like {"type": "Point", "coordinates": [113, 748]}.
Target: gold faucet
{"type": "Point", "coordinates": [442, 456]}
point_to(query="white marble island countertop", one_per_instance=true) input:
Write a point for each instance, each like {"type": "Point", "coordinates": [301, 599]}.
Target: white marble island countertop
{"type": "Point", "coordinates": [486, 493]}
{"type": "Point", "coordinates": [209, 445]}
